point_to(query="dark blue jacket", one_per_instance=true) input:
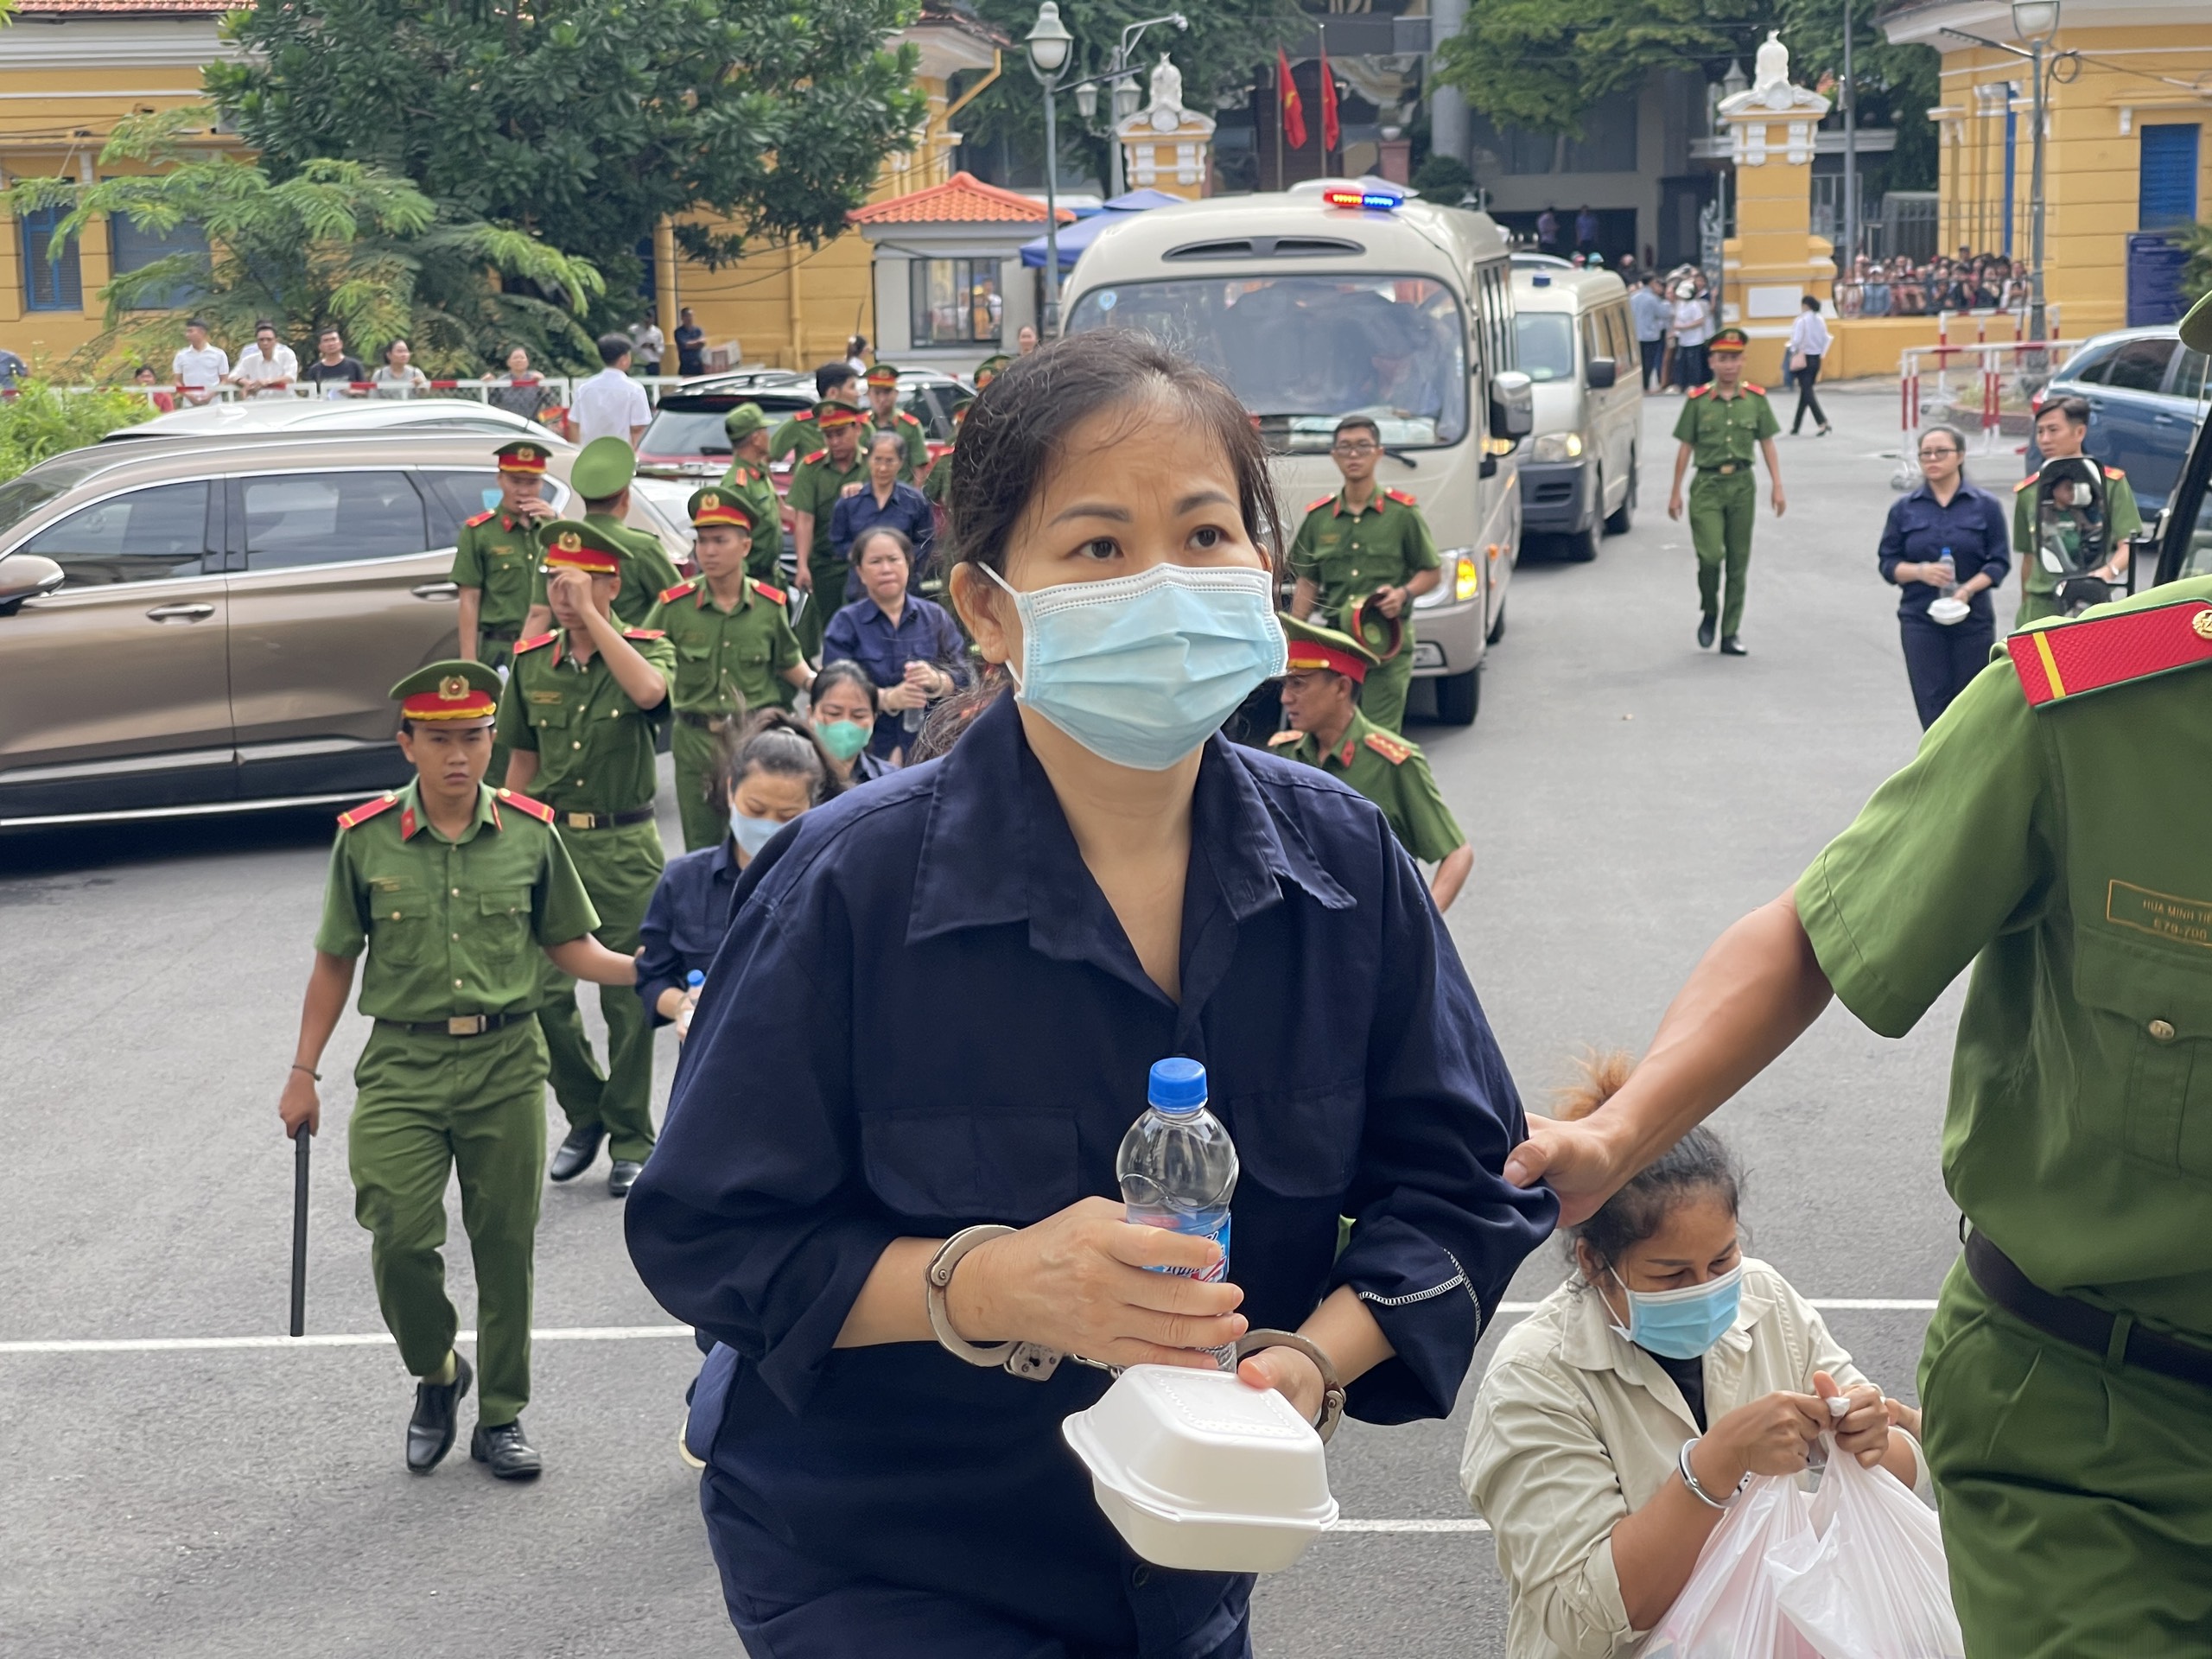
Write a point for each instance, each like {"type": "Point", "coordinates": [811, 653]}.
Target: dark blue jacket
{"type": "Point", "coordinates": [908, 512]}
{"type": "Point", "coordinates": [862, 632]}
{"type": "Point", "coordinates": [949, 904]}
{"type": "Point", "coordinates": [685, 924]}
{"type": "Point", "coordinates": [1977, 529]}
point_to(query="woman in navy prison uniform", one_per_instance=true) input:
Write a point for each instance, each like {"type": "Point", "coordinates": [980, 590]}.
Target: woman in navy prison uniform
{"type": "Point", "coordinates": [1090, 880]}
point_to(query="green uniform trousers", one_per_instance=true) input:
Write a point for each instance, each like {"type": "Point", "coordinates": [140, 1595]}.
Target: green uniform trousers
{"type": "Point", "coordinates": [425, 1107]}
{"type": "Point", "coordinates": [498, 651]}
{"type": "Point", "coordinates": [2076, 1496]}
{"type": "Point", "coordinates": [1722, 510]}
{"type": "Point", "coordinates": [828, 596]}
{"type": "Point", "coordinates": [619, 867]}
{"type": "Point", "coordinates": [2034, 605]}
{"type": "Point", "coordinates": [1383, 696]}
{"type": "Point", "coordinates": [697, 751]}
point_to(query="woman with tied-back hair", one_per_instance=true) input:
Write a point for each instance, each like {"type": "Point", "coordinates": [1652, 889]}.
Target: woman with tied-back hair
{"type": "Point", "coordinates": [937, 1010]}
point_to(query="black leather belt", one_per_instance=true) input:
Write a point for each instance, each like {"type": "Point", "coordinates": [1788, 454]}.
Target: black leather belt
{"type": "Point", "coordinates": [1727, 467]}
{"type": "Point", "coordinates": [500, 636]}
{"type": "Point", "coordinates": [2078, 1322]}
{"type": "Point", "coordinates": [461, 1024]}
{"type": "Point", "coordinates": [604, 820]}
{"type": "Point", "coordinates": [704, 723]}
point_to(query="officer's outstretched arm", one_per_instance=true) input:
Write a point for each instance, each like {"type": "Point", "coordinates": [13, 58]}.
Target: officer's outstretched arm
{"type": "Point", "coordinates": [586, 958]}
{"type": "Point", "coordinates": [1754, 994]}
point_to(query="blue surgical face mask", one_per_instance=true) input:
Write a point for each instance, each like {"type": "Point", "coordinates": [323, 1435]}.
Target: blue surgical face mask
{"type": "Point", "coordinates": [753, 834]}
{"type": "Point", "coordinates": [1141, 670]}
{"type": "Point", "coordinates": [1682, 1324]}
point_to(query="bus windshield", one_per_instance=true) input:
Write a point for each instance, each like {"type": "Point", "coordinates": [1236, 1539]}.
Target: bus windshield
{"type": "Point", "coordinates": [1303, 352]}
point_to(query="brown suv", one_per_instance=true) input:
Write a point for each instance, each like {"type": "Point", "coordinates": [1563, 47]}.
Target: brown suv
{"type": "Point", "coordinates": [193, 626]}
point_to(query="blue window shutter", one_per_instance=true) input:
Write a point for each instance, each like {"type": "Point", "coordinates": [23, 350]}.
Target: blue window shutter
{"type": "Point", "coordinates": [50, 277]}
{"type": "Point", "coordinates": [2168, 192]}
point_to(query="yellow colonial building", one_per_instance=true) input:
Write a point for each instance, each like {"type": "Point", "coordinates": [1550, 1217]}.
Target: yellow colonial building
{"type": "Point", "coordinates": [70, 69]}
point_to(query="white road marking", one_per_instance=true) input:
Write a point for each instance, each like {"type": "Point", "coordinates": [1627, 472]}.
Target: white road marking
{"type": "Point", "coordinates": [646, 1333]}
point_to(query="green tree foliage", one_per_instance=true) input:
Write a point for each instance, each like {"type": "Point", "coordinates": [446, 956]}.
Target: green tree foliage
{"type": "Point", "coordinates": [584, 123]}
{"type": "Point", "coordinates": [2196, 275]}
{"type": "Point", "coordinates": [38, 421]}
{"type": "Point", "coordinates": [1540, 64]}
{"type": "Point", "coordinates": [329, 241]}
{"type": "Point", "coordinates": [1218, 55]}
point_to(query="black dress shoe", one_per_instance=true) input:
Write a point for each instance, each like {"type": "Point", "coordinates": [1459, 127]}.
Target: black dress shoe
{"type": "Point", "coordinates": [578, 1152]}
{"type": "Point", "coordinates": [431, 1430]}
{"type": "Point", "coordinates": [505, 1453]}
{"type": "Point", "coordinates": [1705, 630]}
{"type": "Point", "coordinates": [1732, 646]}
{"type": "Point", "coordinates": [622, 1177]}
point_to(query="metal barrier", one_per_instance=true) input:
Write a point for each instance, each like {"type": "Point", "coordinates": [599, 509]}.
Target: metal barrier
{"type": "Point", "coordinates": [556, 389]}
{"type": "Point", "coordinates": [1989, 388]}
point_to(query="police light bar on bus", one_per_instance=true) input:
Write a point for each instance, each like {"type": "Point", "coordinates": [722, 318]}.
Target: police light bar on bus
{"type": "Point", "coordinates": [1372, 200]}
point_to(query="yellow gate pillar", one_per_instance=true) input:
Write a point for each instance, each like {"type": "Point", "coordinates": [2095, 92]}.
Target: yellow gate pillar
{"type": "Point", "coordinates": [1774, 260]}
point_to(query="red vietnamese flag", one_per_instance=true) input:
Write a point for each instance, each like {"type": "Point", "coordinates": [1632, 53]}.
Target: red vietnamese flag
{"type": "Point", "coordinates": [1293, 112]}
{"type": "Point", "coordinates": [1331, 133]}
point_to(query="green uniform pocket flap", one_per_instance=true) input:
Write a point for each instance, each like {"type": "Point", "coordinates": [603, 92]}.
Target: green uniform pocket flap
{"type": "Point", "coordinates": [504, 902]}
{"type": "Point", "coordinates": [2121, 966]}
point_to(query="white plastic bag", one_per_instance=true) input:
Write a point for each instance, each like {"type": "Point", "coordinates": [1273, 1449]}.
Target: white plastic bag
{"type": "Point", "coordinates": [1727, 1609]}
{"type": "Point", "coordinates": [1868, 1580]}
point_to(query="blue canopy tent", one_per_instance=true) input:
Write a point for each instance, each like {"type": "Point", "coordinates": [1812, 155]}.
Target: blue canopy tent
{"type": "Point", "coordinates": [1079, 236]}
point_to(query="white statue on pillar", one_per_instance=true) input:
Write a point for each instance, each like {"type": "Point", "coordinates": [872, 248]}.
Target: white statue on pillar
{"type": "Point", "coordinates": [1771, 68]}
{"type": "Point", "coordinates": [1166, 110]}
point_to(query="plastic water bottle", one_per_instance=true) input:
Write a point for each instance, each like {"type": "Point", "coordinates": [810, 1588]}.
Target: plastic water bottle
{"type": "Point", "coordinates": [1177, 1168]}
{"type": "Point", "coordinates": [694, 980]}
{"type": "Point", "coordinates": [1950, 574]}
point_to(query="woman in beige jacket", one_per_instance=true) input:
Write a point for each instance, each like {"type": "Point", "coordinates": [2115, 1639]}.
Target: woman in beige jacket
{"type": "Point", "coordinates": [1617, 1423]}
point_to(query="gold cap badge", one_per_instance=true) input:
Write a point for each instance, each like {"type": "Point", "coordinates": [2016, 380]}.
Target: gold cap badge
{"type": "Point", "coordinates": [452, 689]}
{"type": "Point", "coordinates": [2202, 623]}
{"type": "Point", "coordinates": [568, 542]}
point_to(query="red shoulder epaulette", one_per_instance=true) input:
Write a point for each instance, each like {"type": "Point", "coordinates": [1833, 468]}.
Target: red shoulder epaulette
{"type": "Point", "coordinates": [766, 592]}
{"type": "Point", "coordinates": [2114, 471]}
{"type": "Point", "coordinates": [1748, 386]}
{"type": "Point", "coordinates": [908, 418]}
{"type": "Point", "coordinates": [1282, 737]}
{"type": "Point", "coordinates": [645, 633]}
{"type": "Point", "coordinates": [533, 642]}
{"type": "Point", "coordinates": [366, 811]}
{"type": "Point", "coordinates": [1700, 391]}
{"type": "Point", "coordinates": [803, 414]}
{"type": "Point", "coordinates": [537, 810]}
{"type": "Point", "coordinates": [482, 518]}
{"type": "Point", "coordinates": [741, 476]}
{"type": "Point", "coordinates": [2058, 661]}
{"type": "Point", "coordinates": [1402, 498]}
{"type": "Point", "coordinates": [1389, 747]}
{"type": "Point", "coordinates": [1314, 506]}
{"type": "Point", "coordinates": [2028, 482]}
{"type": "Point", "coordinates": [809, 460]}
{"type": "Point", "coordinates": [670, 595]}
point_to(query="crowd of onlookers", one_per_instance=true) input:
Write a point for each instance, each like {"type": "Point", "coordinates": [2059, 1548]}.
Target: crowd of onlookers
{"type": "Point", "coordinates": [1904, 288]}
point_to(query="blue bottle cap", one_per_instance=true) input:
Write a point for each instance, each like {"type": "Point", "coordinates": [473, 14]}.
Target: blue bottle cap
{"type": "Point", "coordinates": [1177, 1085]}
{"type": "Point", "coordinates": [694, 977]}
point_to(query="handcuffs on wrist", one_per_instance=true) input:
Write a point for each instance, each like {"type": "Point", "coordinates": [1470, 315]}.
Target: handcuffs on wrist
{"type": "Point", "coordinates": [1034, 1363]}
{"type": "Point", "coordinates": [1698, 1491]}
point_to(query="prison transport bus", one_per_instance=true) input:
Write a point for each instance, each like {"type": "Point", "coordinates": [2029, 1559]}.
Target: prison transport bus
{"type": "Point", "coordinates": [1341, 297]}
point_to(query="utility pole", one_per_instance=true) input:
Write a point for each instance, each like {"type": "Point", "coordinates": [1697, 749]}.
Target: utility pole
{"type": "Point", "coordinates": [2035, 319]}
{"type": "Point", "coordinates": [1848, 266]}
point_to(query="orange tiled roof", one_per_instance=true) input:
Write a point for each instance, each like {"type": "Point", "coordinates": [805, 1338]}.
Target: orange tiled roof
{"type": "Point", "coordinates": [961, 200]}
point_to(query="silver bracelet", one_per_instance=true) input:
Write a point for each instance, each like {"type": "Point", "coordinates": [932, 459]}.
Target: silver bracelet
{"type": "Point", "coordinates": [1690, 1480]}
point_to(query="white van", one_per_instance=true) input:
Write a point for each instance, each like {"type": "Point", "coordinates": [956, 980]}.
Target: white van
{"type": "Point", "coordinates": [1341, 297]}
{"type": "Point", "coordinates": [1578, 343]}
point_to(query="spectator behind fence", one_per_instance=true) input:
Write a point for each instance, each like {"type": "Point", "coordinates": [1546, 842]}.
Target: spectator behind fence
{"type": "Point", "coordinates": [1809, 344]}
{"type": "Point", "coordinates": [690, 344]}
{"type": "Point", "coordinates": [610, 405]}
{"type": "Point", "coordinates": [335, 372]}
{"type": "Point", "coordinates": [396, 376]}
{"type": "Point", "coordinates": [1576, 1452]}
{"type": "Point", "coordinates": [143, 377]}
{"type": "Point", "coordinates": [525, 394]}
{"type": "Point", "coordinates": [1945, 519]}
{"type": "Point", "coordinates": [647, 345]}
{"type": "Point", "coordinates": [267, 368]}
{"type": "Point", "coordinates": [199, 368]}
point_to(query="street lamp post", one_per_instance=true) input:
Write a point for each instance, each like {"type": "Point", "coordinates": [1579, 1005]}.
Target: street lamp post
{"type": "Point", "coordinates": [2036, 22]}
{"type": "Point", "coordinates": [1048, 42]}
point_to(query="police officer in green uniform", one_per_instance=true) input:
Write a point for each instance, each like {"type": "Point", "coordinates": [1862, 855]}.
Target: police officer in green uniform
{"type": "Point", "coordinates": [1321, 695]}
{"type": "Point", "coordinates": [735, 653]}
{"type": "Point", "coordinates": [2060, 426]}
{"type": "Point", "coordinates": [1720, 426]}
{"type": "Point", "coordinates": [449, 885]}
{"type": "Point", "coordinates": [495, 557]}
{"type": "Point", "coordinates": [838, 468]}
{"type": "Point", "coordinates": [989, 370]}
{"type": "Point", "coordinates": [2049, 832]}
{"type": "Point", "coordinates": [833, 383]}
{"type": "Point", "coordinates": [601, 476]}
{"type": "Point", "coordinates": [747, 477]}
{"type": "Point", "coordinates": [1369, 547]}
{"type": "Point", "coordinates": [885, 415]}
{"type": "Point", "coordinates": [577, 714]}
{"type": "Point", "coordinates": [937, 483]}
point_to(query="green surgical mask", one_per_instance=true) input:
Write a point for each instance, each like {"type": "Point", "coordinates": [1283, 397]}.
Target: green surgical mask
{"type": "Point", "coordinates": [842, 738]}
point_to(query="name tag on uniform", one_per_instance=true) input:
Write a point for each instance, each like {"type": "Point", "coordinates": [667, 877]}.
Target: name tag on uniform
{"type": "Point", "coordinates": [383, 884]}
{"type": "Point", "coordinates": [548, 697]}
{"type": "Point", "coordinates": [2184, 921]}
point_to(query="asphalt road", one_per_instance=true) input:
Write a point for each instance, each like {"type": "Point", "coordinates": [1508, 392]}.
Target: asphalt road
{"type": "Point", "coordinates": [1627, 795]}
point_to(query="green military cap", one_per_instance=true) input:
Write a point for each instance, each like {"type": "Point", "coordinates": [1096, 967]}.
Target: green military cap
{"type": "Point", "coordinates": [1313, 647]}
{"type": "Point", "coordinates": [2196, 326]}
{"type": "Point", "coordinates": [989, 368]}
{"type": "Point", "coordinates": [605, 468]}
{"type": "Point", "coordinates": [829, 414]}
{"type": "Point", "coordinates": [716, 506]}
{"type": "Point", "coordinates": [577, 544]}
{"type": "Point", "coordinates": [883, 374]}
{"type": "Point", "coordinates": [449, 690]}
{"type": "Point", "coordinates": [1730, 338]}
{"type": "Point", "coordinates": [744, 421]}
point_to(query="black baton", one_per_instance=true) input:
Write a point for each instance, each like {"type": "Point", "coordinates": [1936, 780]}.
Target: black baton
{"type": "Point", "coordinates": [300, 1231]}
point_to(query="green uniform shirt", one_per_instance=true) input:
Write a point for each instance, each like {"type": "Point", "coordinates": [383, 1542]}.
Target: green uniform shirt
{"type": "Point", "coordinates": [795, 436]}
{"type": "Point", "coordinates": [453, 927]}
{"type": "Point", "coordinates": [2122, 520]}
{"type": "Point", "coordinates": [753, 486]}
{"type": "Point", "coordinates": [2060, 851]}
{"type": "Point", "coordinates": [1395, 775]}
{"type": "Point", "coordinates": [727, 661]}
{"type": "Point", "coordinates": [937, 483]}
{"type": "Point", "coordinates": [1348, 554]}
{"type": "Point", "coordinates": [1726, 430]}
{"type": "Point", "coordinates": [499, 555]}
{"type": "Point", "coordinates": [817, 481]}
{"type": "Point", "coordinates": [594, 746]}
{"type": "Point", "coordinates": [910, 433]}
{"type": "Point", "coordinates": [646, 569]}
